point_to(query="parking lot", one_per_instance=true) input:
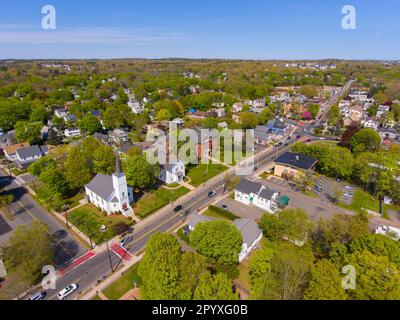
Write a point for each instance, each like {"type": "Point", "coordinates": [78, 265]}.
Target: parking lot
{"type": "Point", "coordinates": [282, 183]}
{"type": "Point", "coordinates": [240, 209]}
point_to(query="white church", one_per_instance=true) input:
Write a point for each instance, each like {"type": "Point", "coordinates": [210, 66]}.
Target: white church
{"type": "Point", "coordinates": [111, 193]}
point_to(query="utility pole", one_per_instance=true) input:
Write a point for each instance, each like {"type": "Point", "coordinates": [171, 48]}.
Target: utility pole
{"type": "Point", "coordinates": [109, 258]}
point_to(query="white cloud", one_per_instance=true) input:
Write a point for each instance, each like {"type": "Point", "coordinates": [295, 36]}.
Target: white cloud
{"type": "Point", "coordinates": [90, 35]}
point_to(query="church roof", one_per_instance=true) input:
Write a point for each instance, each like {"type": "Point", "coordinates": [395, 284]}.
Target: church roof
{"type": "Point", "coordinates": [102, 185]}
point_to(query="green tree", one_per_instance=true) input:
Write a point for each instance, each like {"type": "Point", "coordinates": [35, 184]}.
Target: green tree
{"type": "Point", "coordinates": [89, 124]}
{"type": "Point", "coordinates": [29, 132]}
{"type": "Point", "coordinates": [214, 287]}
{"type": "Point", "coordinates": [54, 180]}
{"type": "Point", "coordinates": [159, 268]}
{"type": "Point", "coordinates": [314, 110]}
{"type": "Point", "coordinates": [378, 244]}
{"type": "Point", "coordinates": [139, 172]}
{"type": "Point", "coordinates": [265, 115]}
{"type": "Point", "coordinates": [104, 160]}
{"type": "Point", "coordinates": [376, 277]}
{"type": "Point", "coordinates": [292, 224]}
{"type": "Point", "coordinates": [365, 140]}
{"type": "Point", "coordinates": [325, 282]}
{"type": "Point", "coordinates": [192, 267]}
{"type": "Point", "coordinates": [340, 229]}
{"type": "Point", "coordinates": [334, 115]}
{"type": "Point", "coordinates": [248, 120]}
{"type": "Point", "coordinates": [309, 90]}
{"type": "Point", "coordinates": [30, 248]}
{"type": "Point", "coordinates": [163, 114]}
{"type": "Point", "coordinates": [219, 241]}
{"type": "Point", "coordinates": [76, 169]}
{"type": "Point", "coordinates": [289, 274]}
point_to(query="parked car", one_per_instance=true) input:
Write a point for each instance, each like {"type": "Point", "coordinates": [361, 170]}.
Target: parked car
{"type": "Point", "coordinates": [125, 240]}
{"type": "Point", "coordinates": [319, 188]}
{"type": "Point", "coordinates": [211, 194]}
{"type": "Point", "coordinates": [348, 195]}
{"type": "Point", "coordinates": [67, 291]}
{"type": "Point", "coordinates": [178, 208]}
{"type": "Point", "coordinates": [224, 207]}
{"type": "Point", "coordinates": [38, 296]}
{"type": "Point", "coordinates": [298, 136]}
{"type": "Point", "coordinates": [349, 187]}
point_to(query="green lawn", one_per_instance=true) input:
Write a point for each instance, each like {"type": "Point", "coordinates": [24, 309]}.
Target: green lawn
{"type": "Point", "coordinates": [244, 276]}
{"type": "Point", "coordinates": [200, 174]}
{"type": "Point", "coordinates": [125, 283]}
{"type": "Point", "coordinates": [155, 200]}
{"type": "Point", "coordinates": [18, 172]}
{"type": "Point", "coordinates": [89, 219]}
{"type": "Point", "coordinates": [74, 201]}
{"type": "Point", "coordinates": [363, 200]}
{"type": "Point", "coordinates": [219, 213]}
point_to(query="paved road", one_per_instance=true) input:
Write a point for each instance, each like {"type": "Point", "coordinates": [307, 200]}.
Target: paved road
{"type": "Point", "coordinates": [26, 210]}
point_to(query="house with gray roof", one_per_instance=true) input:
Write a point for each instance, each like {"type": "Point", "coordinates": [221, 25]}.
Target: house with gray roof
{"type": "Point", "coordinates": [111, 193]}
{"type": "Point", "coordinates": [25, 156]}
{"type": "Point", "coordinates": [255, 194]}
{"type": "Point", "coordinates": [251, 235]}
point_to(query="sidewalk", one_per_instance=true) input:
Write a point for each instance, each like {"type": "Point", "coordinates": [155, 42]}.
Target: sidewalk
{"type": "Point", "coordinates": [96, 290]}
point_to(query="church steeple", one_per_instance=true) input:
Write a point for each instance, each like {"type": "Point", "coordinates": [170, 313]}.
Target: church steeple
{"type": "Point", "coordinates": [117, 166]}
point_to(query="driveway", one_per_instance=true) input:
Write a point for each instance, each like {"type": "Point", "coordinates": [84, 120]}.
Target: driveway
{"type": "Point", "coordinates": [240, 209]}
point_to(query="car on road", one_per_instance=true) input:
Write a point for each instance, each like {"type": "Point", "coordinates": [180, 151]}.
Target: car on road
{"type": "Point", "coordinates": [211, 194]}
{"type": "Point", "coordinates": [224, 206]}
{"type": "Point", "coordinates": [288, 138]}
{"type": "Point", "coordinates": [125, 240]}
{"type": "Point", "coordinates": [298, 136]}
{"type": "Point", "coordinates": [67, 291]}
{"type": "Point", "coordinates": [178, 208]}
{"type": "Point", "coordinates": [38, 296]}
{"type": "Point", "coordinates": [319, 188]}
{"type": "Point", "coordinates": [286, 144]}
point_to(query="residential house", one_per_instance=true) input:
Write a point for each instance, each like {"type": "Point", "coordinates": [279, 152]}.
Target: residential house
{"type": "Point", "coordinates": [279, 127]}
{"type": "Point", "coordinates": [198, 115]}
{"type": "Point", "coordinates": [111, 193]}
{"type": "Point", "coordinates": [372, 124]}
{"type": "Point", "coordinates": [70, 118]}
{"type": "Point", "coordinates": [222, 125]}
{"type": "Point", "coordinates": [220, 112]}
{"type": "Point", "coordinates": [293, 165]}
{"type": "Point", "coordinates": [103, 138]}
{"type": "Point", "coordinates": [382, 109]}
{"type": "Point", "coordinates": [179, 122]}
{"type": "Point", "coordinates": [253, 193]}
{"type": "Point", "coordinates": [118, 136]}
{"type": "Point", "coordinates": [25, 156]}
{"type": "Point", "coordinates": [389, 133]}
{"type": "Point", "coordinates": [60, 113]}
{"type": "Point", "coordinates": [172, 173]}
{"type": "Point", "coordinates": [7, 139]}
{"type": "Point", "coordinates": [251, 233]}
{"type": "Point", "coordinates": [136, 106]}
{"type": "Point", "coordinates": [72, 132]}
{"type": "Point", "coordinates": [10, 151]}
{"type": "Point", "coordinates": [262, 135]}
{"type": "Point", "coordinates": [237, 107]}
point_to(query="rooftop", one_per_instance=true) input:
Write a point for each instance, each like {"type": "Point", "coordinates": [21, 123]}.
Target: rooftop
{"type": "Point", "coordinates": [296, 160]}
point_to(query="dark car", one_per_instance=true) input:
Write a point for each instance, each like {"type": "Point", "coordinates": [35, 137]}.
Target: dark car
{"type": "Point", "coordinates": [298, 136]}
{"type": "Point", "coordinates": [211, 194]}
{"type": "Point", "coordinates": [178, 208]}
{"type": "Point", "coordinates": [126, 240]}
{"type": "Point", "coordinates": [224, 207]}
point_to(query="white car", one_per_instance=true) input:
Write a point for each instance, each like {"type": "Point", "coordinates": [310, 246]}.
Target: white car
{"type": "Point", "coordinates": [348, 195]}
{"type": "Point", "coordinates": [349, 187]}
{"type": "Point", "coordinates": [67, 291]}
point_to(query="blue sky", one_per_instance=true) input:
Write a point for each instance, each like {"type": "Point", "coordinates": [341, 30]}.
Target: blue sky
{"type": "Point", "coordinates": [242, 29]}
